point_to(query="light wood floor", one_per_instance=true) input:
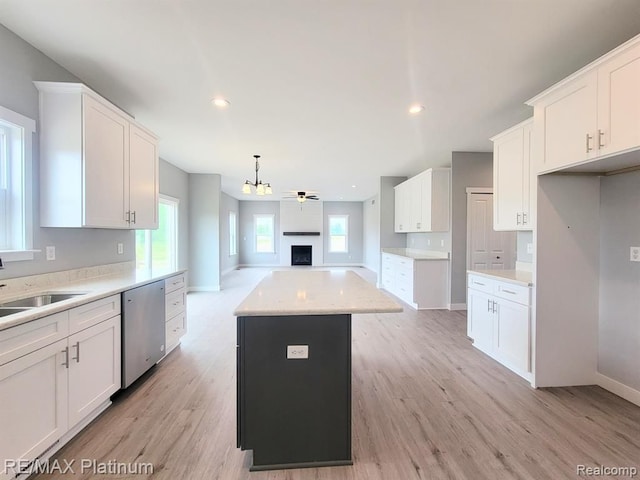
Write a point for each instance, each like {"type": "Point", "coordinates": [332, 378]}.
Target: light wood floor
{"type": "Point", "coordinates": [426, 405]}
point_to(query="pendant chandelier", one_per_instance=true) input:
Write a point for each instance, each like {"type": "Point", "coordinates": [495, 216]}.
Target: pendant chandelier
{"type": "Point", "coordinates": [261, 188]}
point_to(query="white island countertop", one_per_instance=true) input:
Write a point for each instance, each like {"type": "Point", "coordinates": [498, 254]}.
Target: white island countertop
{"type": "Point", "coordinates": [91, 289]}
{"type": "Point", "coordinates": [309, 292]}
{"type": "Point", "coordinates": [416, 254]}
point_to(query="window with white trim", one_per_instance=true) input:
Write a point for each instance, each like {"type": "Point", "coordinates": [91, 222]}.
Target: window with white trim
{"type": "Point", "coordinates": [157, 250]}
{"type": "Point", "coordinates": [16, 138]}
{"type": "Point", "coordinates": [264, 229]}
{"type": "Point", "coordinates": [233, 233]}
{"type": "Point", "coordinates": [338, 237]}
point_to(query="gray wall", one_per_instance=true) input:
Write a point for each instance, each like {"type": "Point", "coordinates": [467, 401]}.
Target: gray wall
{"type": "Point", "coordinates": [354, 236]}
{"type": "Point", "coordinates": [248, 255]}
{"type": "Point", "coordinates": [388, 237]}
{"type": "Point", "coordinates": [228, 204]}
{"type": "Point", "coordinates": [204, 233]}
{"type": "Point", "coordinates": [468, 169]}
{"type": "Point", "coordinates": [438, 241]}
{"type": "Point", "coordinates": [75, 248]}
{"type": "Point", "coordinates": [619, 325]}
{"type": "Point", "coordinates": [175, 183]}
{"type": "Point", "coordinates": [522, 239]}
{"type": "Point", "coordinates": [371, 233]}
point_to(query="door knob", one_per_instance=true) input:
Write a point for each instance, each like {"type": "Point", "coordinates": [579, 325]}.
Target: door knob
{"type": "Point", "coordinates": [498, 258]}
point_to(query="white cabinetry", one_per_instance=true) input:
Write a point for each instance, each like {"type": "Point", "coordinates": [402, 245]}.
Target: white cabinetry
{"type": "Point", "coordinates": [499, 321]}
{"type": "Point", "coordinates": [423, 284]}
{"type": "Point", "coordinates": [422, 202]}
{"type": "Point", "coordinates": [512, 178]}
{"type": "Point", "coordinates": [176, 310]}
{"type": "Point", "coordinates": [98, 167]}
{"type": "Point", "coordinates": [591, 115]}
{"type": "Point", "coordinates": [55, 373]}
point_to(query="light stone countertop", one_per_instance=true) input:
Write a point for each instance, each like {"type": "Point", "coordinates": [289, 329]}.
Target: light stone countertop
{"type": "Point", "coordinates": [314, 293]}
{"type": "Point", "coordinates": [519, 277]}
{"type": "Point", "coordinates": [416, 254]}
{"type": "Point", "coordinates": [92, 289]}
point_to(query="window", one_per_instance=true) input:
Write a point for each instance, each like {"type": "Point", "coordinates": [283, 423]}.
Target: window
{"type": "Point", "coordinates": [338, 228]}
{"type": "Point", "coordinates": [16, 132]}
{"type": "Point", "coordinates": [157, 250]}
{"type": "Point", "coordinates": [233, 233]}
{"type": "Point", "coordinates": [264, 231]}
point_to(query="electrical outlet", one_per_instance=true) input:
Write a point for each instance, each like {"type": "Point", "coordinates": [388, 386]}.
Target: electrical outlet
{"type": "Point", "coordinates": [428, 243]}
{"type": "Point", "coordinates": [442, 243]}
{"type": "Point", "coordinates": [298, 351]}
{"type": "Point", "coordinates": [51, 253]}
{"type": "Point", "coordinates": [530, 248]}
{"type": "Point", "coordinates": [634, 254]}
{"type": "Point", "coordinates": [120, 248]}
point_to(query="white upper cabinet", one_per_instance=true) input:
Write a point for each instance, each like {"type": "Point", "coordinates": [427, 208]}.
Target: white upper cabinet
{"type": "Point", "coordinates": [422, 202]}
{"type": "Point", "coordinates": [143, 179]}
{"type": "Point", "coordinates": [512, 177]}
{"type": "Point", "coordinates": [98, 167]}
{"type": "Point", "coordinates": [592, 116]}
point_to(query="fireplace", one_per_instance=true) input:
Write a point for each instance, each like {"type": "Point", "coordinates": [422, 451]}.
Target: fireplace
{"type": "Point", "coordinates": [300, 254]}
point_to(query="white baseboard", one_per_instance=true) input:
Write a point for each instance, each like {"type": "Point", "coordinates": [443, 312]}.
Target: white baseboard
{"type": "Point", "coordinates": [260, 265]}
{"type": "Point", "coordinates": [457, 306]}
{"type": "Point", "coordinates": [212, 288]}
{"type": "Point", "coordinates": [229, 270]}
{"type": "Point", "coordinates": [618, 388]}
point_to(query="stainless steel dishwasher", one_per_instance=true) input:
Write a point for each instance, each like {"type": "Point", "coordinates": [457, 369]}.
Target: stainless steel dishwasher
{"type": "Point", "coordinates": [143, 330]}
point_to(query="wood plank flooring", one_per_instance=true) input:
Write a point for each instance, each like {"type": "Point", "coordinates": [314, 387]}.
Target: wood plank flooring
{"type": "Point", "coordinates": [426, 405]}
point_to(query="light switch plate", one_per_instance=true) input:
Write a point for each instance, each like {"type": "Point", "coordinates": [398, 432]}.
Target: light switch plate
{"type": "Point", "coordinates": [634, 255]}
{"type": "Point", "coordinates": [51, 253]}
{"type": "Point", "coordinates": [120, 248]}
{"type": "Point", "coordinates": [529, 248]}
{"type": "Point", "coordinates": [298, 351]}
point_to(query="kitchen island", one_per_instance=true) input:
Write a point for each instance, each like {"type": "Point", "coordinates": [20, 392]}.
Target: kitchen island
{"type": "Point", "coordinates": [294, 366]}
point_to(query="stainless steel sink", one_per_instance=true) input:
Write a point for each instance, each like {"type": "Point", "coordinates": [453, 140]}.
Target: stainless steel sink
{"type": "Point", "coordinates": [10, 311]}
{"type": "Point", "coordinates": [40, 300]}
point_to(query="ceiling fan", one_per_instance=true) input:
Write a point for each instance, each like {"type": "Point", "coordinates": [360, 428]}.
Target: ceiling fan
{"type": "Point", "coordinates": [302, 196]}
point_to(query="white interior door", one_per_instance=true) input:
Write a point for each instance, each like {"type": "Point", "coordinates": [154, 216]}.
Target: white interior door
{"type": "Point", "coordinates": [487, 249]}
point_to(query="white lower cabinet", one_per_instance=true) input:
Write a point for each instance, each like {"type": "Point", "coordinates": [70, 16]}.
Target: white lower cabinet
{"type": "Point", "coordinates": [55, 373]}
{"type": "Point", "coordinates": [423, 284]}
{"type": "Point", "coordinates": [499, 321]}
{"type": "Point", "coordinates": [176, 310]}
{"type": "Point", "coordinates": [94, 368]}
{"type": "Point", "coordinates": [33, 400]}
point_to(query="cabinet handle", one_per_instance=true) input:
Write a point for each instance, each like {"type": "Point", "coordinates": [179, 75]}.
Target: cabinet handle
{"type": "Point", "coordinates": [133, 216]}
{"type": "Point", "coordinates": [418, 225]}
{"type": "Point", "coordinates": [508, 291]}
{"type": "Point", "coordinates": [488, 305]}
{"type": "Point", "coordinates": [517, 218]}
{"type": "Point", "coordinates": [77, 357]}
{"type": "Point", "coordinates": [600, 137]}
{"type": "Point", "coordinates": [524, 218]}
{"type": "Point", "coordinates": [400, 227]}
{"type": "Point", "coordinates": [128, 216]}
{"type": "Point", "coordinates": [588, 137]}
{"type": "Point", "coordinates": [66, 357]}
{"type": "Point", "coordinates": [176, 303]}
{"type": "Point", "coordinates": [478, 283]}
{"type": "Point", "coordinates": [495, 307]}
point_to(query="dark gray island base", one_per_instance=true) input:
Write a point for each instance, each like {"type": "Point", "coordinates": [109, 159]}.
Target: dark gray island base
{"type": "Point", "coordinates": [294, 412]}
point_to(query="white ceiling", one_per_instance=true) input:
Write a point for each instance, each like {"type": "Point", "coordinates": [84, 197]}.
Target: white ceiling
{"type": "Point", "coordinates": [321, 88]}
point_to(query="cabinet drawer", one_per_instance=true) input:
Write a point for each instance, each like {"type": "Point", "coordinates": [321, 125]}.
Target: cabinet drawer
{"type": "Point", "coordinates": [172, 284]}
{"type": "Point", "coordinates": [515, 293]}
{"type": "Point", "coordinates": [482, 284]}
{"type": "Point", "coordinates": [93, 313]}
{"type": "Point", "coordinates": [175, 328]}
{"type": "Point", "coordinates": [28, 337]}
{"type": "Point", "coordinates": [175, 302]}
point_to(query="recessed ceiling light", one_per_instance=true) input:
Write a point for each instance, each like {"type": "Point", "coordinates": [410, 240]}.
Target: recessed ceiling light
{"type": "Point", "coordinates": [221, 102]}
{"type": "Point", "coordinates": [353, 186]}
{"type": "Point", "coordinates": [415, 109]}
